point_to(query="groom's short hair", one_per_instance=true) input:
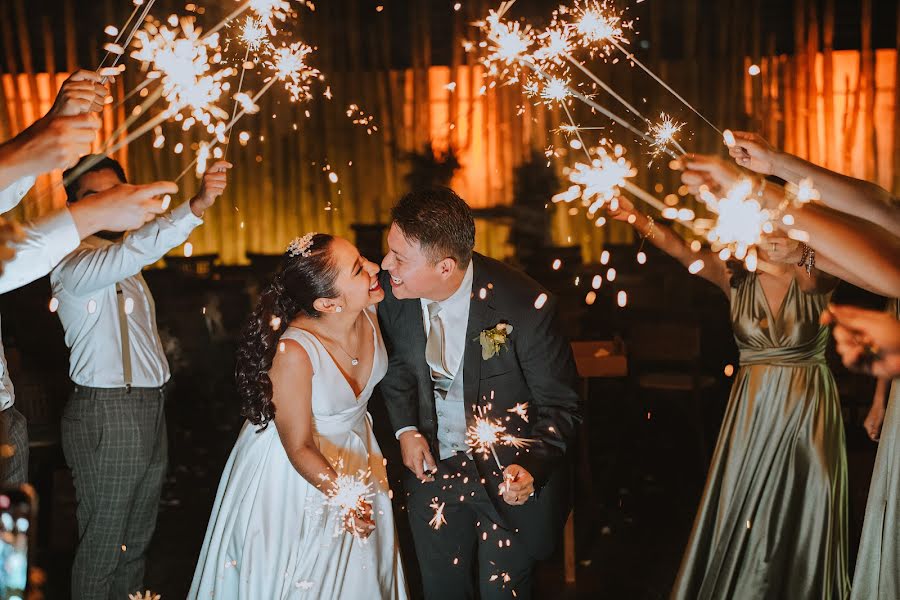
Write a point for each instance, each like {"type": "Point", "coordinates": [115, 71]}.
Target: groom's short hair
{"type": "Point", "coordinates": [440, 221]}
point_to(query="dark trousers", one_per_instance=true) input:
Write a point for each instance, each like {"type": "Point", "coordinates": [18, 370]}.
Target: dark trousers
{"type": "Point", "coordinates": [115, 443]}
{"type": "Point", "coordinates": [473, 546]}
{"type": "Point", "coordinates": [14, 449]}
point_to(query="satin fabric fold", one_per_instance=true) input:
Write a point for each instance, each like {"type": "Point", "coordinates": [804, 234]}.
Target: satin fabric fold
{"type": "Point", "coordinates": [877, 574]}
{"type": "Point", "coordinates": [772, 522]}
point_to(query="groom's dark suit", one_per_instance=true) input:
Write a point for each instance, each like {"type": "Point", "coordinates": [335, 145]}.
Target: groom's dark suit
{"type": "Point", "coordinates": [535, 367]}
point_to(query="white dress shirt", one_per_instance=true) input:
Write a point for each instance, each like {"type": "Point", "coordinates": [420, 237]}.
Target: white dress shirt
{"type": "Point", "coordinates": [47, 241]}
{"type": "Point", "coordinates": [451, 415]}
{"type": "Point", "coordinates": [11, 196]}
{"type": "Point", "coordinates": [84, 283]}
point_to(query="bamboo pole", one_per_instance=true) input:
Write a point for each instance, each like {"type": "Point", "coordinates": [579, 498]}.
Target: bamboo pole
{"type": "Point", "coordinates": [896, 163]}
{"type": "Point", "coordinates": [812, 91]}
{"type": "Point", "coordinates": [869, 90]}
{"type": "Point", "coordinates": [830, 158]}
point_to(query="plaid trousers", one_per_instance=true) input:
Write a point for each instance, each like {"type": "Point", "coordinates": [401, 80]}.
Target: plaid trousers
{"type": "Point", "coordinates": [115, 443]}
{"type": "Point", "coordinates": [14, 451]}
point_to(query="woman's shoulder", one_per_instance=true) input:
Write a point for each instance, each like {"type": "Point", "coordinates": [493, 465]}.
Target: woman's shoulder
{"type": "Point", "coordinates": [299, 345]}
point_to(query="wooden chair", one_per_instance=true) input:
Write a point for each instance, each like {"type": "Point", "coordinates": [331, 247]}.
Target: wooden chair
{"type": "Point", "coordinates": [593, 359]}
{"type": "Point", "coordinates": [665, 361]}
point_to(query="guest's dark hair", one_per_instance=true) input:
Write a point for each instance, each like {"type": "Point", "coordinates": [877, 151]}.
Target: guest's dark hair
{"type": "Point", "coordinates": [738, 272]}
{"type": "Point", "coordinates": [440, 221]}
{"type": "Point", "coordinates": [103, 162]}
{"type": "Point", "coordinates": [297, 284]}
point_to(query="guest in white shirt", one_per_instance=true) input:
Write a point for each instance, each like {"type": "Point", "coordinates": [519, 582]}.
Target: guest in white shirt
{"type": "Point", "coordinates": [53, 142]}
{"type": "Point", "coordinates": [113, 427]}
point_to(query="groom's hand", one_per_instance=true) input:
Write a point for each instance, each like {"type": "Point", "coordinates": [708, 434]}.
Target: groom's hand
{"type": "Point", "coordinates": [211, 187]}
{"type": "Point", "coordinates": [517, 486]}
{"type": "Point", "coordinates": [416, 455]}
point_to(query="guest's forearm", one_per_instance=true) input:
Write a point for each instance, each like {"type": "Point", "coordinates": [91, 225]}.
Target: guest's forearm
{"type": "Point", "coordinates": [853, 245]}
{"type": "Point", "coordinates": [856, 197]}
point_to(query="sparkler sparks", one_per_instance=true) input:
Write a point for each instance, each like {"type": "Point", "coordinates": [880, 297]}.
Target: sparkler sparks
{"type": "Point", "coordinates": [741, 219]}
{"type": "Point", "coordinates": [254, 34]}
{"type": "Point", "coordinates": [289, 65]}
{"type": "Point", "coordinates": [486, 432]}
{"type": "Point", "coordinates": [596, 21]}
{"type": "Point", "coordinates": [520, 409]}
{"type": "Point", "coordinates": [182, 60]}
{"type": "Point", "coordinates": [602, 180]}
{"type": "Point", "coordinates": [438, 520]}
{"type": "Point", "coordinates": [349, 494]}
{"type": "Point", "coordinates": [663, 134]}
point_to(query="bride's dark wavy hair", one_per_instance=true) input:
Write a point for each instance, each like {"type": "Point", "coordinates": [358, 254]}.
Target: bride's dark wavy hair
{"type": "Point", "coordinates": [297, 283]}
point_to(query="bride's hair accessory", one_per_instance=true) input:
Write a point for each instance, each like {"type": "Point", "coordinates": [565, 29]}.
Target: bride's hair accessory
{"type": "Point", "coordinates": [301, 246]}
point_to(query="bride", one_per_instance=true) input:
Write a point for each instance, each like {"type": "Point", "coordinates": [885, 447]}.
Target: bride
{"type": "Point", "coordinates": [303, 507]}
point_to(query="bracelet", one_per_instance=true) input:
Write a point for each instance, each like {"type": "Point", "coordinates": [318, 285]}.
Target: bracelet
{"type": "Point", "coordinates": [649, 233]}
{"type": "Point", "coordinates": [807, 258]}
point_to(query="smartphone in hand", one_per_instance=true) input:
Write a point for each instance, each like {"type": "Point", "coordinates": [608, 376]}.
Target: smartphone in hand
{"type": "Point", "coordinates": [18, 509]}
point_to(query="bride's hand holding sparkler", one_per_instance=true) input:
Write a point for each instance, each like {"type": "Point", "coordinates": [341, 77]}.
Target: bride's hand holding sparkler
{"type": "Point", "coordinates": [517, 486]}
{"type": "Point", "coordinates": [753, 152]}
{"type": "Point", "coordinates": [361, 522]}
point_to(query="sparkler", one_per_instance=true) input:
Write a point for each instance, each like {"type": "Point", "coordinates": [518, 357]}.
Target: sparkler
{"type": "Point", "coordinates": [663, 134]}
{"type": "Point", "coordinates": [438, 520]}
{"type": "Point", "coordinates": [486, 432]}
{"type": "Point", "coordinates": [349, 494]}
{"type": "Point", "coordinates": [289, 65]}
{"type": "Point", "coordinates": [741, 220]}
{"type": "Point", "coordinates": [601, 180]}
{"type": "Point", "coordinates": [520, 409]}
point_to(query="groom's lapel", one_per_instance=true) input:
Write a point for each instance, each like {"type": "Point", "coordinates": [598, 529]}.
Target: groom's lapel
{"type": "Point", "coordinates": [481, 312]}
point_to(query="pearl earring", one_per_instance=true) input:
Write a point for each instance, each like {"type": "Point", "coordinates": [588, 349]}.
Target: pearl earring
{"type": "Point", "coordinates": [338, 309]}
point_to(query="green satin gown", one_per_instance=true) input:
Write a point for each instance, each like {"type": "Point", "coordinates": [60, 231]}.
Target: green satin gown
{"type": "Point", "coordinates": [772, 523]}
{"type": "Point", "coordinates": [877, 574]}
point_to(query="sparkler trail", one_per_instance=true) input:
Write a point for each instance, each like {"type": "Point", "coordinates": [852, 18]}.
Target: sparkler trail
{"type": "Point", "coordinates": [659, 80]}
{"type": "Point", "coordinates": [131, 33]}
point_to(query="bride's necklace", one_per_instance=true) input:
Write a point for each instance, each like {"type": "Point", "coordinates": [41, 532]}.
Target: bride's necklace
{"type": "Point", "coordinates": [354, 360]}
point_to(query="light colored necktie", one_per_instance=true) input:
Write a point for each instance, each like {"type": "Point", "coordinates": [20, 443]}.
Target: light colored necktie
{"type": "Point", "coordinates": [434, 350]}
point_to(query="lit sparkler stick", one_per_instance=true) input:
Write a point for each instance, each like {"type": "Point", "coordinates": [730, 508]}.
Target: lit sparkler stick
{"type": "Point", "coordinates": [130, 36]}
{"type": "Point", "coordinates": [485, 433]}
{"type": "Point", "coordinates": [663, 134]}
{"type": "Point", "coordinates": [659, 80]}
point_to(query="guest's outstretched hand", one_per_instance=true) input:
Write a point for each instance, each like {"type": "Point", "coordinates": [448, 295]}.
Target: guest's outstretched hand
{"type": "Point", "coordinates": [753, 152]}
{"type": "Point", "coordinates": [81, 93]}
{"type": "Point", "coordinates": [517, 486]}
{"type": "Point", "coordinates": [121, 208]}
{"type": "Point", "coordinates": [215, 180]}
{"type": "Point", "coordinates": [867, 340]}
{"type": "Point", "coordinates": [701, 170]}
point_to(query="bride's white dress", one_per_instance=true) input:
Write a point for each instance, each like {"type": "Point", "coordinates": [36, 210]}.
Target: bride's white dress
{"type": "Point", "coordinates": [271, 536]}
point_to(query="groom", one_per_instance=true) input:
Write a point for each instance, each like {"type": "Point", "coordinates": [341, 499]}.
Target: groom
{"type": "Point", "coordinates": [470, 338]}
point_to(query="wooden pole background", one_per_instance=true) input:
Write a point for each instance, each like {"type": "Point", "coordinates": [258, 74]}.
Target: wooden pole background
{"type": "Point", "coordinates": [835, 107]}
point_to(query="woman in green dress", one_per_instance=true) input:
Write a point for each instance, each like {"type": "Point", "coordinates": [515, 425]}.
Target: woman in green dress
{"type": "Point", "coordinates": [877, 573]}
{"type": "Point", "coordinates": [772, 522]}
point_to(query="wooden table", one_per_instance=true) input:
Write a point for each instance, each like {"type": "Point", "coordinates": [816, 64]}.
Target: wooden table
{"type": "Point", "coordinates": [593, 359]}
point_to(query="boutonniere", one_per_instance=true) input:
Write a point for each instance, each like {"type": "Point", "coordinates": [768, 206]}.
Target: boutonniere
{"type": "Point", "coordinates": [492, 340]}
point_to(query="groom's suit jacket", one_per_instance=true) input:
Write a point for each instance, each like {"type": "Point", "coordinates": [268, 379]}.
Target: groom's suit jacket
{"type": "Point", "coordinates": [534, 367]}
